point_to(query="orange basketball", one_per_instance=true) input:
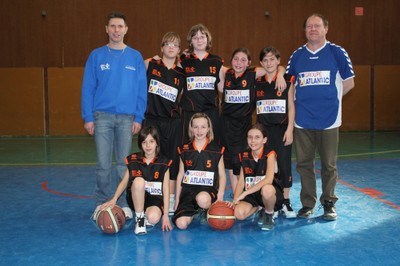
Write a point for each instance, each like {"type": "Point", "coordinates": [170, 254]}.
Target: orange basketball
{"type": "Point", "coordinates": [111, 221]}
{"type": "Point", "coordinates": [220, 216]}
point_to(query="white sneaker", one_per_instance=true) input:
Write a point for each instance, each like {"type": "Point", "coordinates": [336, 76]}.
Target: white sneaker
{"type": "Point", "coordinates": [140, 228]}
{"type": "Point", "coordinates": [171, 205]}
{"type": "Point", "coordinates": [95, 213]}
{"type": "Point", "coordinates": [275, 215]}
{"type": "Point", "coordinates": [288, 211]}
{"type": "Point", "coordinates": [128, 213]}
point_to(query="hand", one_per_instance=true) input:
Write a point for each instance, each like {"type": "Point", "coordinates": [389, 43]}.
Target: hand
{"type": "Point", "coordinates": [288, 138]}
{"type": "Point", "coordinates": [89, 126]}
{"type": "Point", "coordinates": [280, 83]}
{"type": "Point", "coordinates": [107, 204]}
{"type": "Point", "coordinates": [156, 57]}
{"type": "Point", "coordinates": [136, 127]}
{"type": "Point", "coordinates": [166, 224]}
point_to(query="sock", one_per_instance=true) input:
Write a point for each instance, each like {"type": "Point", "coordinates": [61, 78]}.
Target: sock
{"type": "Point", "coordinates": [267, 212]}
{"type": "Point", "coordinates": [139, 214]}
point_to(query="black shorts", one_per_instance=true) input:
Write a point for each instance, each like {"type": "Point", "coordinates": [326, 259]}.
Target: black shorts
{"type": "Point", "coordinates": [255, 199]}
{"type": "Point", "coordinates": [234, 139]}
{"type": "Point", "coordinates": [284, 154]}
{"type": "Point", "coordinates": [149, 200]}
{"type": "Point", "coordinates": [170, 132]}
{"type": "Point", "coordinates": [187, 201]}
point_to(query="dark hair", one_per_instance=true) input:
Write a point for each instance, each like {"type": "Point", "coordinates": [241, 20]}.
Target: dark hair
{"type": "Point", "coordinates": [243, 50]}
{"type": "Point", "coordinates": [269, 49]}
{"type": "Point", "coordinates": [260, 127]}
{"type": "Point", "coordinates": [324, 19]}
{"type": "Point", "coordinates": [116, 15]}
{"type": "Point", "coordinates": [144, 132]}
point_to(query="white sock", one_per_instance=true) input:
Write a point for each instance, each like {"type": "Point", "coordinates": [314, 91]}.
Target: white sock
{"type": "Point", "coordinates": [139, 214]}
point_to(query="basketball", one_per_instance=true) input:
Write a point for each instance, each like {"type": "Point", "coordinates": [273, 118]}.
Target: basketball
{"type": "Point", "coordinates": [111, 221]}
{"type": "Point", "coordinates": [220, 216]}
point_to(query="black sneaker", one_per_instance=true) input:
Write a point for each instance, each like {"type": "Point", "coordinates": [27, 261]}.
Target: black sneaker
{"type": "Point", "coordinates": [202, 216]}
{"type": "Point", "coordinates": [268, 222]}
{"type": "Point", "coordinates": [260, 217]}
{"type": "Point", "coordinates": [329, 211]}
{"type": "Point", "coordinates": [287, 209]}
{"type": "Point", "coordinates": [305, 212]}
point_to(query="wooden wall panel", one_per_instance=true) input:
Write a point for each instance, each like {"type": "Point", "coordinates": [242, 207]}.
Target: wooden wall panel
{"type": "Point", "coordinates": [22, 102]}
{"type": "Point", "coordinates": [356, 105]}
{"type": "Point", "coordinates": [386, 98]}
{"type": "Point", "coordinates": [71, 29]}
{"type": "Point", "coordinates": [65, 101]}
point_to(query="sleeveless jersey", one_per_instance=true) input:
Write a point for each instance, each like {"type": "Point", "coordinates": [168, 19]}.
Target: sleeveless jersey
{"type": "Point", "coordinates": [201, 168]}
{"type": "Point", "coordinates": [319, 85]}
{"type": "Point", "coordinates": [271, 105]}
{"type": "Point", "coordinates": [164, 88]}
{"type": "Point", "coordinates": [254, 171]}
{"type": "Point", "coordinates": [202, 78]}
{"type": "Point", "coordinates": [152, 173]}
{"type": "Point", "coordinates": [238, 94]}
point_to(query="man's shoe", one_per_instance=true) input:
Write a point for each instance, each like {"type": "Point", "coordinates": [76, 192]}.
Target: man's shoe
{"type": "Point", "coordinates": [140, 228]}
{"type": "Point", "coordinates": [287, 209]}
{"type": "Point", "coordinates": [268, 222]}
{"type": "Point", "coordinates": [329, 211]}
{"type": "Point", "coordinates": [305, 212]}
{"type": "Point", "coordinates": [128, 213]}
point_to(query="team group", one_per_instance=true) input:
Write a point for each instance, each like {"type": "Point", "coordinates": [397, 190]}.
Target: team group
{"type": "Point", "coordinates": [188, 137]}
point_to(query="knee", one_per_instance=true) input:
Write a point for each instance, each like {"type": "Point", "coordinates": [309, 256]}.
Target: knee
{"type": "Point", "coordinates": [268, 191]}
{"type": "Point", "coordinates": [181, 223]}
{"type": "Point", "coordinates": [138, 184]}
{"type": "Point", "coordinates": [203, 199]}
{"type": "Point", "coordinates": [153, 216]}
{"type": "Point", "coordinates": [240, 213]}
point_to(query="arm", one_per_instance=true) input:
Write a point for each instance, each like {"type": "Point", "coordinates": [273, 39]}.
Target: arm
{"type": "Point", "coordinates": [166, 224]}
{"type": "Point", "coordinates": [280, 83]}
{"type": "Point", "coordinates": [120, 189]}
{"type": "Point", "coordinates": [222, 179]}
{"type": "Point", "coordinates": [141, 100]}
{"type": "Point", "coordinates": [348, 84]}
{"type": "Point", "coordinates": [178, 188]}
{"type": "Point", "coordinates": [239, 187]}
{"type": "Point", "coordinates": [221, 82]}
{"type": "Point", "coordinates": [288, 136]}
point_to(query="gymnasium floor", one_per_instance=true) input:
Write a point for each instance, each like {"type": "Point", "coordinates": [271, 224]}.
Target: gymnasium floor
{"type": "Point", "coordinates": [46, 191]}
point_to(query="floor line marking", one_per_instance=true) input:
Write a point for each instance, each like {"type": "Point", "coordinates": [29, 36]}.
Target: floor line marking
{"type": "Point", "coordinates": [372, 193]}
{"type": "Point", "coordinates": [44, 186]}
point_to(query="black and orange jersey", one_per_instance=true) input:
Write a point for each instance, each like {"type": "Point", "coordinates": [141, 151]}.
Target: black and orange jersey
{"type": "Point", "coordinates": [164, 89]}
{"type": "Point", "coordinates": [254, 170]}
{"type": "Point", "coordinates": [202, 78]}
{"type": "Point", "coordinates": [201, 168]}
{"type": "Point", "coordinates": [238, 95]}
{"type": "Point", "coordinates": [271, 104]}
{"type": "Point", "coordinates": [152, 173]}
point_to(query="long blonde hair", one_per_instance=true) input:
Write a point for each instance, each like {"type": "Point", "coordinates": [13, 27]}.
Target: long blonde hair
{"type": "Point", "coordinates": [210, 134]}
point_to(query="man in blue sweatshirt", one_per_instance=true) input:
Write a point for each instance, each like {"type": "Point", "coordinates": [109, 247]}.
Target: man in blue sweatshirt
{"type": "Point", "coordinates": [114, 98]}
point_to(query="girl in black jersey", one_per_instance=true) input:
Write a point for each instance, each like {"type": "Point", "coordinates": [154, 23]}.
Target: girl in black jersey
{"type": "Point", "coordinates": [275, 110]}
{"type": "Point", "coordinates": [201, 178]}
{"type": "Point", "coordinates": [146, 181]}
{"type": "Point", "coordinates": [257, 187]}
{"type": "Point", "coordinates": [166, 80]}
{"type": "Point", "coordinates": [238, 104]}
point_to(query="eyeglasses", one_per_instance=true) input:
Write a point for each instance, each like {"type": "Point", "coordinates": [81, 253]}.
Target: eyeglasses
{"type": "Point", "coordinates": [171, 44]}
{"type": "Point", "coordinates": [200, 38]}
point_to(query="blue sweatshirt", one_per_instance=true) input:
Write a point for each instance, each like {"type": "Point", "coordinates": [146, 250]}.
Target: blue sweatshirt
{"type": "Point", "coordinates": [114, 82]}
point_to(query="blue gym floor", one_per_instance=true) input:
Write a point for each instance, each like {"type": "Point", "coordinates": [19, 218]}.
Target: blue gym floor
{"type": "Point", "coordinates": [46, 187]}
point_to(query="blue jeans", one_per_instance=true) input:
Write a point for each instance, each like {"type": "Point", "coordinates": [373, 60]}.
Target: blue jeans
{"type": "Point", "coordinates": [113, 134]}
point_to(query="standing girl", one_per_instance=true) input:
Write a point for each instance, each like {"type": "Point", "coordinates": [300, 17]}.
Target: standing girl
{"type": "Point", "coordinates": [201, 178]}
{"type": "Point", "coordinates": [256, 186]}
{"type": "Point", "coordinates": [275, 110]}
{"type": "Point", "coordinates": [238, 104]}
{"type": "Point", "coordinates": [166, 81]}
{"type": "Point", "coordinates": [146, 182]}
{"type": "Point", "coordinates": [204, 74]}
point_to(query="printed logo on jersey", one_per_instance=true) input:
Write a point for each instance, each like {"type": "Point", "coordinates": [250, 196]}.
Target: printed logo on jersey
{"type": "Point", "coordinates": [105, 67]}
{"type": "Point", "coordinates": [250, 181]}
{"type": "Point", "coordinates": [200, 178]}
{"type": "Point", "coordinates": [314, 78]}
{"type": "Point", "coordinates": [136, 173]}
{"type": "Point", "coordinates": [188, 163]}
{"type": "Point", "coordinates": [201, 83]}
{"type": "Point", "coordinates": [155, 72]}
{"type": "Point", "coordinates": [154, 188]}
{"type": "Point", "coordinates": [237, 96]}
{"type": "Point", "coordinates": [248, 170]}
{"type": "Point", "coordinates": [130, 68]}
{"type": "Point", "coordinates": [167, 92]}
{"type": "Point", "coordinates": [271, 107]}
